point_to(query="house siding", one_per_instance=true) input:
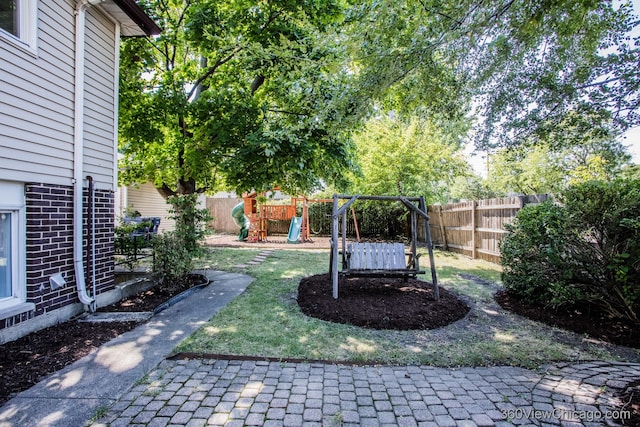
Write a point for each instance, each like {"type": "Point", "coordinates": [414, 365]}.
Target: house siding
{"type": "Point", "coordinates": [37, 115]}
{"type": "Point", "coordinates": [36, 112]}
{"type": "Point", "coordinates": [37, 124]}
{"type": "Point", "coordinates": [100, 80]}
{"type": "Point", "coordinates": [145, 199]}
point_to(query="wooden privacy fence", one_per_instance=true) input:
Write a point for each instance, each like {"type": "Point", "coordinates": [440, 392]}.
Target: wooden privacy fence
{"type": "Point", "coordinates": [475, 228]}
{"type": "Point", "coordinates": [220, 210]}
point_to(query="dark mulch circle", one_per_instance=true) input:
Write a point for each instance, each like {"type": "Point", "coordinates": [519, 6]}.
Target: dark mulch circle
{"type": "Point", "coordinates": [379, 303]}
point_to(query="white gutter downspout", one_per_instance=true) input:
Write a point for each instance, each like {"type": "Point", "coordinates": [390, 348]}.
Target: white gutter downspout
{"type": "Point", "coordinates": [78, 154]}
{"type": "Point", "coordinates": [116, 115]}
{"type": "Point", "coordinates": [116, 104]}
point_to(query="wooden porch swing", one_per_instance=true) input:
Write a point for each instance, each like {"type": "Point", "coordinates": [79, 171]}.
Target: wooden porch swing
{"type": "Point", "coordinates": [385, 259]}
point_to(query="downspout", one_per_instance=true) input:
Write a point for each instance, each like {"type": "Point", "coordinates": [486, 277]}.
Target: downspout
{"type": "Point", "coordinates": [116, 103]}
{"type": "Point", "coordinates": [116, 115]}
{"type": "Point", "coordinates": [78, 154]}
{"type": "Point", "coordinates": [91, 238]}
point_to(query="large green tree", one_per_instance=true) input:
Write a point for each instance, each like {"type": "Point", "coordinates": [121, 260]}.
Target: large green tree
{"type": "Point", "coordinates": [238, 94]}
{"type": "Point", "coordinates": [409, 157]}
{"type": "Point", "coordinates": [527, 65]}
{"type": "Point", "coordinates": [541, 169]}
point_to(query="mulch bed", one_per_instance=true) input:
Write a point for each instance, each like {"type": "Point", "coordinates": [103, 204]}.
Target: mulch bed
{"type": "Point", "coordinates": [156, 296]}
{"type": "Point", "coordinates": [379, 303]}
{"type": "Point", "coordinates": [589, 321]}
{"type": "Point", "coordinates": [583, 320]}
{"type": "Point", "coordinates": [28, 360]}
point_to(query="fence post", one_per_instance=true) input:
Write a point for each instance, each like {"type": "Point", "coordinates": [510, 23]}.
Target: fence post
{"type": "Point", "coordinates": [473, 229]}
{"type": "Point", "coordinates": [443, 229]}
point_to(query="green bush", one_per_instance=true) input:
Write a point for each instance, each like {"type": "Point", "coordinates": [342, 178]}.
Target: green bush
{"type": "Point", "coordinates": [608, 216]}
{"type": "Point", "coordinates": [585, 251]}
{"type": "Point", "coordinates": [191, 222]}
{"type": "Point", "coordinates": [172, 259]}
{"type": "Point", "coordinates": [536, 256]}
{"type": "Point", "coordinates": [174, 251]}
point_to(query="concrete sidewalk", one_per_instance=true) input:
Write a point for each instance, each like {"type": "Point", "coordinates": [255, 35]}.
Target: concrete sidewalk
{"type": "Point", "coordinates": [75, 394]}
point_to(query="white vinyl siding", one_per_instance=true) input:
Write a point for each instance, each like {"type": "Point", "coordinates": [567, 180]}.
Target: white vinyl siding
{"type": "Point", "coordinates": [145, 199]}
{"type": "Point", "coordinates": [37, 93]}
{"type": "Point", "coordinates": [36, 112]}
{"type": "Point", "coordinates": [99, 138]}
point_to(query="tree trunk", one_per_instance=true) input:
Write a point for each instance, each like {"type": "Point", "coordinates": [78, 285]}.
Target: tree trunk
{"type": "Point", "coordinates": [184, 187]}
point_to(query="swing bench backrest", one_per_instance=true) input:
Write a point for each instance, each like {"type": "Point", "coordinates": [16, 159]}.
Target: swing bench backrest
{"type": "Point", "coordinates": [379, 260]}
{"type": "Point", "coordinates": [376, 256]}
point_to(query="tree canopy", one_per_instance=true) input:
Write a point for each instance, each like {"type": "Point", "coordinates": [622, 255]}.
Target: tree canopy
{"type": "Point", "coordinates": [408, 157]}
{"type": "Point", "coordinates": [547, 166]}
{"type": "Point", "coordinates": [241, 94]}
{"type": "Point", "coordinates": [250, 94]}
{"type": "Point", "coordinates": [527, 65]}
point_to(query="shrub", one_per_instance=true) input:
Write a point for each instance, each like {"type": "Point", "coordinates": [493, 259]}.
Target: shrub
{"type": "Point", "coordinates": [191, 222]}
{"type": "Point", "coordinates": [608, 215]}
{"type": "Point", "coordinates": [585, 251]}
{"type": "Point", "coordinates": [172, 259]}
{"type": "Point", "coordinates": [536, 255]}
{"type": "Point", "coordinates": [174, 251]}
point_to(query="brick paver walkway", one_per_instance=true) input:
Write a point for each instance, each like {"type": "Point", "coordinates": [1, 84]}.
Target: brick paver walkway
{"type": "Point", "coordinates": [261, 393]}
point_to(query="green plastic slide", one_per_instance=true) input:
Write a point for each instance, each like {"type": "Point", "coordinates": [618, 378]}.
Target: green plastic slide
{"type": "Point", "coordinates": [241, 220]}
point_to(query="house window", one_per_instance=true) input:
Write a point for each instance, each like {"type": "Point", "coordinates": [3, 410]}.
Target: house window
{"type": "Point", "coordinates": [12, 247]}
{"type": "Point", "coordinates": [5, 255]}
{"type": "Point", "coordinates": [18, 20]}
{"type": "Point", "coordinates": [9, 17]}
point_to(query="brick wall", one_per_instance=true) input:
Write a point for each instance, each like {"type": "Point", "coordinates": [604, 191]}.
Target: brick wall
{"type": "Point", "coordinates": [104, 207]}
{"type": "Point", "coordinates": [49, 246]}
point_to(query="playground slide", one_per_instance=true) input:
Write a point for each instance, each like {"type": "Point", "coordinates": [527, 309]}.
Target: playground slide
{"type": "Point", "coordinates": [241, 220]}
{"type": "Point", "coordinates": [294, 230]}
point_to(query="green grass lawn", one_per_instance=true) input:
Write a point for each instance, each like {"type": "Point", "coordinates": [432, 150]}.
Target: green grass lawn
{"type": "Point", "coordinates": [265, 321]}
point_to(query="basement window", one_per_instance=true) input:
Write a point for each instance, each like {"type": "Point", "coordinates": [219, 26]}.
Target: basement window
{"type": "Point", "coordinates": [12, 249]}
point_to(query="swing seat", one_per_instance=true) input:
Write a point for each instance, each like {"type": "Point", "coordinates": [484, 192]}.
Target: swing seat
{"type": "Point", "coordinates": [379, 260]}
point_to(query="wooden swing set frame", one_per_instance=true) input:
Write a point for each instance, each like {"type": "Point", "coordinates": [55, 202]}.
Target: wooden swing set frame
{"type": "Point", "coordinates": [386, 259]}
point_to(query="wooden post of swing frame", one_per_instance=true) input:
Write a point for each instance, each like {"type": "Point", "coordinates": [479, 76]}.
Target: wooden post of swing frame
{"type": "Point", "coordinates": [355, 224]}
{"type": "Point", "coordinates": [334, 247]}
{"type": "Point", "coordinates": [344, 239]}
{"type": "Point", "coordinates": [414, 239]}
{"type": "Point", "coordinates": [432, 262]}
